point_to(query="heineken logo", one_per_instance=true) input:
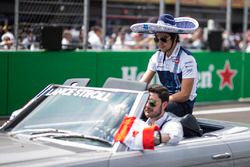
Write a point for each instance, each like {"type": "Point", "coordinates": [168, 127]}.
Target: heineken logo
{"type": "Point", "coordinates": [206, 77]}
{"type": "Point", "coordinates": [226, 76]}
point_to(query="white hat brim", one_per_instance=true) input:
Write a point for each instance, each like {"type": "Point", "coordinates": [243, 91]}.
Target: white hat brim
{"type": "Point", "coordinates": [184, 25]}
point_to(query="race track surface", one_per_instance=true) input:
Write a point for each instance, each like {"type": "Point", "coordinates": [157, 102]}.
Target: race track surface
{"type": "Point", "coordinates": [228, 111]}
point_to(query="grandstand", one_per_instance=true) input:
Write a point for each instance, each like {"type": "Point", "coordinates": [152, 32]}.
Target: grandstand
{"type": "Point", "coordinates": [34, 14]}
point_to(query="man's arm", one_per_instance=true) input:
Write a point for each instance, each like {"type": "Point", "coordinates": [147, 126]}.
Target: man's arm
{"type": "Point", "coordinates": [186, 88]}
{"type": "Point", "coordinates": [172, 133]}
{"type": "Point", "coordinates": [147, 76]}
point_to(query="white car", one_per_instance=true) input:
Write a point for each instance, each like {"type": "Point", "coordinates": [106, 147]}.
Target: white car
{"type": "Point", "coordinates": [75, 126]}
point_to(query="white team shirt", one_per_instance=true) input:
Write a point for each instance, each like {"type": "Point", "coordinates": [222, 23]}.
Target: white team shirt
{"type": "Point", "coordinates": [187, 68]}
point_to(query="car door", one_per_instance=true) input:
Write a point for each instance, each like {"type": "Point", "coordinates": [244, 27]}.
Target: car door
{"type": "Point", "coordinates": [200, 152]}
{"type": "Point", "coordinates": [239, 144]}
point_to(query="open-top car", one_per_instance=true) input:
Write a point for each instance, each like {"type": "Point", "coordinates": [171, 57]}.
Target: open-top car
{"type": "Point", "coordinates": [67, 125]}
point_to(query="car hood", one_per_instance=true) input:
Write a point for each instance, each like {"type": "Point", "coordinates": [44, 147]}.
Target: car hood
{"type": "Point", "coordinates": [15, 152]}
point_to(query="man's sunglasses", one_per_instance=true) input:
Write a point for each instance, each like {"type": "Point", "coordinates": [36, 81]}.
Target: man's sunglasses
{"type": "Point", "coordinates": [152, 103]}
{"type": "Point", "coordinates": [162, 39]}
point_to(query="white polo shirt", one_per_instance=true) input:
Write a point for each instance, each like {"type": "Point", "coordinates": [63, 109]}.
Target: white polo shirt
{"type": "Point", "coordinates": [185, 64]}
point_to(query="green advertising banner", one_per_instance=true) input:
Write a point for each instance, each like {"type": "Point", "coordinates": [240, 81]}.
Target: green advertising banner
{"type": "Point", "coordinates": [245, 81]}
{"type": "Point", "coordinates": [126, 65]}
{"type": "Point", "coordinates": [30, 72]}
{"type": "Point", "coordinates": [222, 76]}
{"type": "Point", "coordinates": [3, 83]}
{"type": "Point", "coordinates": [219, 73]}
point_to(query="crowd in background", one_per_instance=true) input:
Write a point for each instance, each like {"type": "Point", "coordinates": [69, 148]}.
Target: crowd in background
{"type": "Point", "coordinates": [119, 39]}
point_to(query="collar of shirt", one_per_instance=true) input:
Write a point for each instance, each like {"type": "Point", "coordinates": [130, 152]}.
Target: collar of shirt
{"type": "Point", "coordinates": [175, 52]}
{"type": "Point", "coordinates": [160, 121]}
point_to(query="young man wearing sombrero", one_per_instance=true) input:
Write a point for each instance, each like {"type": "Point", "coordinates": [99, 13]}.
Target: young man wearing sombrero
{"type": "Point", "coordinates": [175, 66]}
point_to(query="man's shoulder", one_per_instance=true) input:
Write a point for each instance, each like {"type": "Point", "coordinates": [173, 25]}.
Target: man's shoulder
{"type": "Point", "coordinates": [157, 53]}
{"type": "Point", "coordinates": [157, 56]}
{"type": "Point", "coordinates": [185, 58]}
{"type": "Point", "coordinates": [171, 120]}
{"type": "Point", "coordinates": [172, 115]}
{"type": "Point", "coordinates": [186, 51]}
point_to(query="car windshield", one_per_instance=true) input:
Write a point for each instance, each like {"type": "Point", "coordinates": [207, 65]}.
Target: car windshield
{"type": "Point", "coordinates": [87, 111]}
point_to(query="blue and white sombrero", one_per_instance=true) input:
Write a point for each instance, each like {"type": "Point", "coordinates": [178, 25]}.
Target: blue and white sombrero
{"type": "Point", "coordinates": [167, 23]}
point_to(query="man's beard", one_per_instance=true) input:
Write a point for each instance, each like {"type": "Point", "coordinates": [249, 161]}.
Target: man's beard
{"type": "Point", "coordinates": [159, 112]}
{"type": "Point", "coordinates": [155, 115]}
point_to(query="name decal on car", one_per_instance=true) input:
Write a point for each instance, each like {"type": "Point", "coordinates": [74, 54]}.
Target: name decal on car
{"type": "Point", "coordinates": [85, 93]}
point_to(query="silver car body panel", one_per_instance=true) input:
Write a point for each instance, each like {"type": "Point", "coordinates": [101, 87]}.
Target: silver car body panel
{"type": "Point", "coordinates": [223, 144]}
{"type": "Point", "coordinates": [190, 152]}
{"type": "Point", "coordinates": [15, 152]}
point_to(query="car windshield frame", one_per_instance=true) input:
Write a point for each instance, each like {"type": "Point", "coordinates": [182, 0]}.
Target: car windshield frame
{"type": "Point", "coordinates": [89, 111]}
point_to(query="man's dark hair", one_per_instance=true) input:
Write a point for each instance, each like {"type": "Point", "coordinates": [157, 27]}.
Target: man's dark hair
{"type": "Point", "coordinates": [175, 36]}
{"type": "Point", "coordinates": [160, 90]}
